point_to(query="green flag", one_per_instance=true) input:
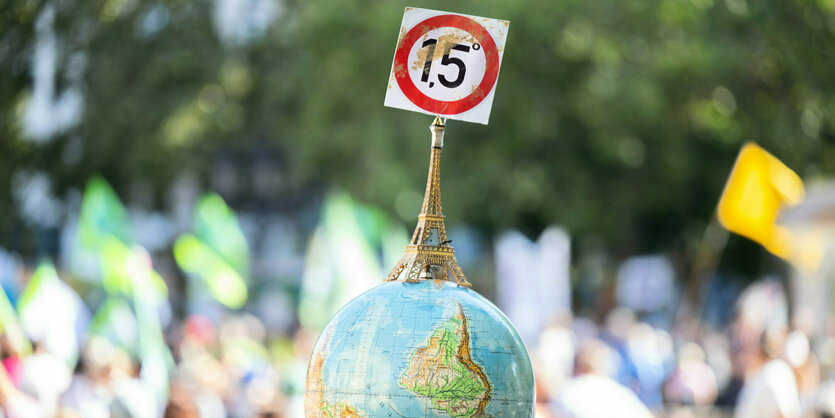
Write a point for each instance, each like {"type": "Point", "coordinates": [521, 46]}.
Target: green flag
{"type": "Point", "coordinates": [217, 225]}
{"type": "Point", "coordinates": [104, 229]}
{"type": "Point", "coordinates": [126, 272]}
{"type": "Point", "coordinates": [52, 313]}
{"type": "Point", "coordinates": [147, 286]}
{"type": "Point", "coordinates": [102, 215]}
{"type": "Point", "coordinates": [149, 294]}
{"type": "Point", "coordinates": [343, 257]}
{"type": "Point", "coordinates": [10, 325]}
{"type": "Point", "coordinates": [155, 357]}
{"type": "Point", "coordinates": [225, 284]}
{"type": "Point", "coordinates": [113, 261]}
{"type": "Point", "coordinates": [217, 252]}
{"type": "Point", "coordinates": [115, 321]}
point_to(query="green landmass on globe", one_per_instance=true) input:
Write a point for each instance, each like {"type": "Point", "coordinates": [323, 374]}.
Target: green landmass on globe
{"type": "Point", "coordinates": [444, 371]}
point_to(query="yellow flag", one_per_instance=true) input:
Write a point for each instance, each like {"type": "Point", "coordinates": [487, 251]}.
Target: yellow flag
{"type": "Point", "coordinates": [759, 185]}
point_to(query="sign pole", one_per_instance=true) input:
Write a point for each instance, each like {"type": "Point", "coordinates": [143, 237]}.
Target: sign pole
{"type": "Point", "coordinates": [429, 254]}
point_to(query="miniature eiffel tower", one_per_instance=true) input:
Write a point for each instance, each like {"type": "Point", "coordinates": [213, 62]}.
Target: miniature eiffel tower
{"type": "Point", "coordinates": [429, 254]}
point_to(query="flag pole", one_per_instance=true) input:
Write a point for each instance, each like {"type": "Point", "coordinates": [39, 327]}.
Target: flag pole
{"type": "Point", "coordinates": [708, 255]}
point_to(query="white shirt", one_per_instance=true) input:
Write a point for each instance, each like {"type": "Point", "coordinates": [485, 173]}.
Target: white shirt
{"type": "Point", "coordinates": [770, 393]}
{"type": "Point", "coordinates": [592, 396]}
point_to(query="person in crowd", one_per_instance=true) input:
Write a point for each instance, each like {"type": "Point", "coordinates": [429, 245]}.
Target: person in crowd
{"type": "Point", "coordinates": [231, 366]}
{"type": "Point", "coordinates": [651, 353]}
{"type": "Point", "coordinates": [770, 388]}
{"type": "Point", "coordinates": [581, 397]}
{"type": "Point", "coordinates": [693, 381]}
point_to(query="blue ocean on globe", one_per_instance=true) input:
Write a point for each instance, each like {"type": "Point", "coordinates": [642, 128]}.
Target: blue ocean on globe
{"type": "Point", "coordinates": [430, 348]}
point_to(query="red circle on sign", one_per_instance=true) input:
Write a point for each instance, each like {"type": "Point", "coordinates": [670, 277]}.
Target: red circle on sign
{"type": "Point", "coordinates": [440, 107]}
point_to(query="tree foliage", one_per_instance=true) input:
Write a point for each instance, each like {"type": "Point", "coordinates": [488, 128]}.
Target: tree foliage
{"type": "Point", "coordinates": [616, 118]}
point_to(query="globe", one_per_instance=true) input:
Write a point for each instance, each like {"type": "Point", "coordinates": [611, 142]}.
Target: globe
{"type": "Point", "coordinates": [430, 348]}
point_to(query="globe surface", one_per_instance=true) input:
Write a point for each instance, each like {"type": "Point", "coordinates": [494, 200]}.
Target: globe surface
{"type": "Point", "coordinates": [419, 349]}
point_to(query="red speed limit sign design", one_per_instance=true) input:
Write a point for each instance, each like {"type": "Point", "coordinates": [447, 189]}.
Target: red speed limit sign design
{"type": "Point", "coordinates": [446, 64]}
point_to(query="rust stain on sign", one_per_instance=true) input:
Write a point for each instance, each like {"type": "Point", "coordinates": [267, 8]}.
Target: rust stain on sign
{"type": "Point", "coordinates": [444, 45]}
{"type": "Point", "coordinates": [400, 38]}
{"type": "Point", "coordinates": [399, 71]}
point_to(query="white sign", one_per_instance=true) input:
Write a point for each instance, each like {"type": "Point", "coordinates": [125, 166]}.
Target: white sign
{"type": "Point", "coordinates": [533, 280]}
{"type": "Point", "coordinates": [446, 64]}
{"type": "Point", "coordinates": [646, 283]}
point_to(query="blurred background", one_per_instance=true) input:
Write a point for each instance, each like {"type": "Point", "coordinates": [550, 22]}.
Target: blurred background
{"type": "Point", "coordinates": [190, 189]}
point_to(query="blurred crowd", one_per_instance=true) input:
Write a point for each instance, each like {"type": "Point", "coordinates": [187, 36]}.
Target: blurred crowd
{"type": "Point", "coordinates": [765, 363]}
{"type": "Point", "coordinates": [227, 369]}
{"type": "Point", "coordinates": [224, 341]}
